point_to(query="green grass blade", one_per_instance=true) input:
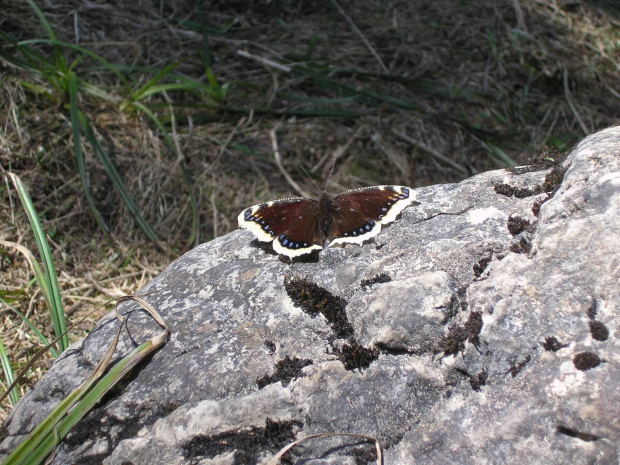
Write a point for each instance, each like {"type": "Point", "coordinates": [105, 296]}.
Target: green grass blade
{"type": "Point", "coordinates": [501, 156]}
{"type": "Point", "coordinates": [186, 23]}
{"type": "Point", "coordinates": [35, 61]}
{"type": "Point", "coordinates": [118, 183]}
{"type": "Point", "coordinates": [48, 27]}
{"type": "Point", "coordinates": [8, 373]}
{"type": "Point", "coordinates": [367, 96]}
{"type": "Point", "coordinates": [186, 179]}
{"type": "Point", "coordinates": [77, 48]}
{"type": "Point", "coordinates": [144, 90]}
{"type": "Point", "coordinates": [177, 86]}
{"type": "Point", "coordinates": [417, 85]}
{"type": "Point", "coordinates": [37, 89]}
{"type": "Point", "coordinates": [11, 295]}
{"type": "Point", "coordinates": [315, 100]}
{"type": "Point", "coordinates": [25, 452]}
{"type": "Point", "coordinates": [250, 151]}
{"type": "Point", "coordinates": [40, 279]}
{"type": "Point", "coordinates": [216, 92]}
{"type": "Point", "coordinates": [38, 63]}
{"type": "Point", "coordinates": [75, 123]}
{"type": "Point", "coordinates": [226, 111]}
{"type": "Point", "coordinates": [45, 436]}
{"type": "Point", "coordinates": [17, 62]}
{"type": "Point", "coordinates": [51, 278]}
{"type": "Point", "coordinates": [97, 92]}
{"type": "Point", "coordinates": [116, 373]}
{"type": "Point", "coordinates": [61, 63]}
{"type": "Point", "coordinates": [159, 124]}
{"type": "Point", "coordinates": [32, 327]}
{"type": "Point", "coordinates": [205, 53]}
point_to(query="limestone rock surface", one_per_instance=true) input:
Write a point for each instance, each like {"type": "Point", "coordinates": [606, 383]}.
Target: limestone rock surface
{"type": "Point", "coordinates": [480, 328]}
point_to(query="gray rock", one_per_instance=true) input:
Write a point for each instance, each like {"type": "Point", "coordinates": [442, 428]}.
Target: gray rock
{"type": "Point", "coordinates": [472, 331]}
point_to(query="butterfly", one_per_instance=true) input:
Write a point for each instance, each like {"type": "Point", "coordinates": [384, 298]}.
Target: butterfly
{"type": "Point", "coordinates": [299, 226]}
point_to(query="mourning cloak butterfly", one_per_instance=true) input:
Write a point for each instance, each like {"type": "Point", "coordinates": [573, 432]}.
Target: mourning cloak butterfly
{"type": "Point", "coordinates": [298, 226]}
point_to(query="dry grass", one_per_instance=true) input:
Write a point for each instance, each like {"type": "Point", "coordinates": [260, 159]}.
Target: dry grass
{"type": "Point", "coordinates": [545, 73]}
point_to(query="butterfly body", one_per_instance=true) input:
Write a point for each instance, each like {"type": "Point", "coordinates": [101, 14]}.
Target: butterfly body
{"type": "Point", "coordinates": [326, 214]}
{"type": "Point", "coordinates": [298, 226]}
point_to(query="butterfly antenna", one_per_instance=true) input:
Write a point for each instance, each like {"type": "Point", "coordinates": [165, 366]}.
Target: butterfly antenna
{"type": "Point", "coordinates": [330, 174]}
{"type": "Point", "coordinates": [304, 170]}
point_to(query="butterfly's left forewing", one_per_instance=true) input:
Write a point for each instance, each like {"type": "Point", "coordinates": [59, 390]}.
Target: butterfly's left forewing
{"type": "Point", "coordinates": [289, 223]}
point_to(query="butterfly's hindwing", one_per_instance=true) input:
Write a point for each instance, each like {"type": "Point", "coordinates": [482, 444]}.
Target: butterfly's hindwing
{"type": "Point", "coordinates": [353, 227]}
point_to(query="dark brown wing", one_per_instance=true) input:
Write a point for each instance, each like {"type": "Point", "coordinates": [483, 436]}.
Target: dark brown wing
{"type": "Point", "coordinates": [361, 212]}
{"type": "Point", "coordinates": [292, 225]}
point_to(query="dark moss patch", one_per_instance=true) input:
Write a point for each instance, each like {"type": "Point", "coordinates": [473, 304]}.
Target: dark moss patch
{"type": "Point", "coordinates": [550, 156]}
{"type": "Point", "coordinates": [479, 380]}
{"type": "Point", "coordinates": [551, 344]}
{"type": "Point", "coordinates": [365, 455]}
{"type": "Point", "coordinates": [271, 347]}
{"type": "Point", "coordinates": [354, 356]}
{"type": "Point", "coordinates": [314, 299]}
{"type": "Point", "coordinates": [546, 159]}
{"type": "Point", "coordinates": [523, 245]}
{"type": "Point", "coordinates": [573, 433]}
{"type": "Point", "coordinates": [516, 225]}
{"type": "Point", "coordinates": [249, 445]}
{"type": "Point", "coordinates": [476, 381]}
{"type": "Point", "coordinates": [517, 367]}
{"type": "Point", "coordinates": [554, 179]}
{"type": "Point", "coordinates": [481, 265]}
{"type": "Point", "coordinates": [536, 207]}
{"type": "Point", "coordinates": [287, 369]}
{"type": "Point", "coordinates": [384, 349]}
{"type": "Point", "coordinates": [586, 360]}
{"type": "Point", "coordinates": [598, 331]}
{"type": "Point", "coordinates": [380, 278]}
{"type": "Point", "coordinates": [454, 342]}
{"type": "Point", "coordinates": [518, 192]}
{"type": "Point", "coordinates": [552, 182]}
